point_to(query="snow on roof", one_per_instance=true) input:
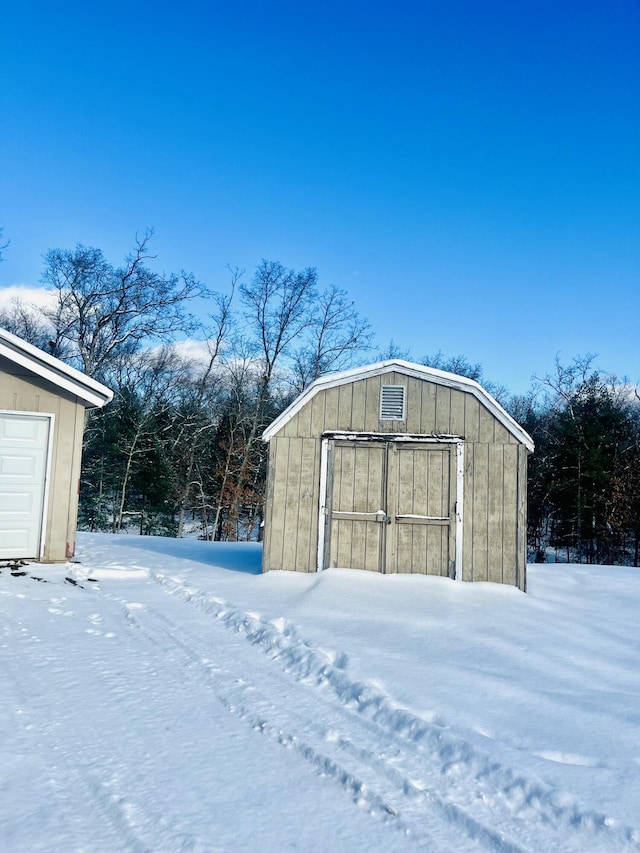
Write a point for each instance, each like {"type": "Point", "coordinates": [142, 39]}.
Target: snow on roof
{"type": "Point", "coordinates": [92, 393]}
{"type": "Point", "coordinates": [418, 371]}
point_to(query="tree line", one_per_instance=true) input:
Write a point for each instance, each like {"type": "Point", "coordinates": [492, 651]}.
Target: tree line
{"type": "Point", "coordinates": [178, 451]}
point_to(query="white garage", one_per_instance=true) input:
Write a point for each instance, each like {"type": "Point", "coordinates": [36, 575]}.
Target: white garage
{"type": "Point", "coordinates": [42, 413]}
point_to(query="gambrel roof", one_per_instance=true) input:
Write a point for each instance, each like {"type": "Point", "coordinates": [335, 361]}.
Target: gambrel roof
{"type": "Point", "coordinates": [417, 371]}
{"type": "Point", "coordinates": [90, 392]}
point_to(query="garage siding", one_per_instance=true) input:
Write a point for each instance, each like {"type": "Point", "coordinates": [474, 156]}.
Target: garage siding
{"type": "Point", "coordinates": [24, 392]}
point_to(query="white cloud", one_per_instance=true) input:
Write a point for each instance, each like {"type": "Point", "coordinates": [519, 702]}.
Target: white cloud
{"type": "Point", "coordinates": [37, 296]}
{"type": "Point", "coordinates": [192, 350]}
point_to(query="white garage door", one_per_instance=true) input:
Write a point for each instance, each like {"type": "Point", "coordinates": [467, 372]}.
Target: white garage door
{"type": "Point", "coordinates": [23, 464]}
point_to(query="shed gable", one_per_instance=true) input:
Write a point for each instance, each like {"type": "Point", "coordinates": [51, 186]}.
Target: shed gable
{"type": "Point", "coordinates": [436, 403]}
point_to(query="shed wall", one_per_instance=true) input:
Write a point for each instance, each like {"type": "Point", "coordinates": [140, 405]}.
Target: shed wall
{"type": "Point", "coordinates": [494, 529]}
{"type": "Point", "coordinates": [22, 391]}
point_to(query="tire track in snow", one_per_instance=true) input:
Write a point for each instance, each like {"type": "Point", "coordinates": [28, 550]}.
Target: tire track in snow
{"type": "Point", "coordinates": [241, 698]}
{"type": "Point", "coordinates": [430, 769]}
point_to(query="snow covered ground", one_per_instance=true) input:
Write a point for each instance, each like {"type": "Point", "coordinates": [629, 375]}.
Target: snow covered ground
{"type": "Point", "coordinates": [163, 695]}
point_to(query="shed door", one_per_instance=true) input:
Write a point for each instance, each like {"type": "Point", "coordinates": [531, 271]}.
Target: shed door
{"type": "Point", "coordinates": [23, 464]}
{"type": "Point", "coordinates": [393, 506]}
{"type": "Point", "coordinates": [358, 497]}
{"type": "Point", "coordinates": [422, 496]}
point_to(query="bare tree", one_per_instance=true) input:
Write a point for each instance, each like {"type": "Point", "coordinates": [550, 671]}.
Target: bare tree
{"type": "Point", "coordinates": [394, 350]}
{"type": "Point", "coordinates": [569, 378]}
{"type": "Point", "coordinates": [102, 312]}
{"type": "Point", "coordinates": [278, 305]}
{"type": "Point", "coordinates": [4, 245]}
{"type": "Point", "coordinates": [335, 335]}
{"type": "Point", "coordinates": [292, 335]}
{"type": "Point", "coordinates": [278, 310]}
{"type": "Point", "coordinates": [458, 364]}
{"type": "Point", "coordinates": [198, 415]}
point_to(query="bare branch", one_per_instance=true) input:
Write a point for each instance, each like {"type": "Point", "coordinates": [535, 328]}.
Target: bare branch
{"type": "Point", "coordinates": [104, 312]}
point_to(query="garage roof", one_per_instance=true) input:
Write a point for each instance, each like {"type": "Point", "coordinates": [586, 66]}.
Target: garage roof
{"type": "Point", "coordinates": [92, 393]}
{"type": "Point", "coordinates": [419, 371]}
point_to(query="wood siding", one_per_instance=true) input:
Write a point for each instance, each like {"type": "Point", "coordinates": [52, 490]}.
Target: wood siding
{"type": "Point", "coordinates": [495, 474]}
{"type": "Point", "coordinates": [291, 517]}
{"type": "Point", "coordinates": [28, 393]}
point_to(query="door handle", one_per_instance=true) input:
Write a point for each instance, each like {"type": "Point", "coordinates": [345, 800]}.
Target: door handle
{"type": "Point", "coordinates": [382, 517]}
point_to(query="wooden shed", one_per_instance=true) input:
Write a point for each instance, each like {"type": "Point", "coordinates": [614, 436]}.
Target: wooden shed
{"type": "Point", "coordinates": [396, 467]}
{"type": "Point", "coordinates": [42, 415]}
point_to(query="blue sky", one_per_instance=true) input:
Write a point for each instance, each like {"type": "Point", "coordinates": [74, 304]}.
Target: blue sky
{"type": "Point", "coordinates": [468, 171]}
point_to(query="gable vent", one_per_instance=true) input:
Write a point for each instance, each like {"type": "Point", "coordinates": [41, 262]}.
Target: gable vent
{"type": "Point", "coordinates": [392, 402]}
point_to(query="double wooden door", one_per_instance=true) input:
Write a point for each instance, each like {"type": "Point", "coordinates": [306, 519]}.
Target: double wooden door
{"type": "Point", "coordinates": [391, 506]}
